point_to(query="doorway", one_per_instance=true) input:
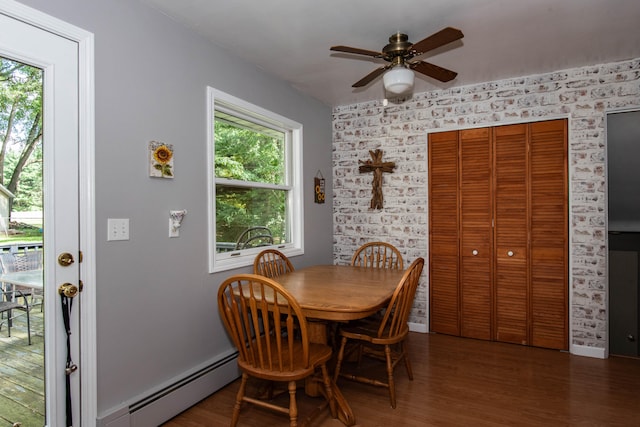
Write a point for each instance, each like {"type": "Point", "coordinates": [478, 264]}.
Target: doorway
{"type": "Point", "coordinates": [65, 54]}
{"type": "Point", "coordinates": [623, 180]}
{"type": "Point", "coordinates": [21, 331]}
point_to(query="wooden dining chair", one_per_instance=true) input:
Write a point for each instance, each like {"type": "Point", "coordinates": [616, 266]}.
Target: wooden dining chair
{"type": "Point", "coordinates": [267, 348]}
{"type": "Point", "coordinates": [271, 263]}
{"type": "Point", "coordinates": [383, 338]}
{"type": "Point", "coordinates": [378, 255]}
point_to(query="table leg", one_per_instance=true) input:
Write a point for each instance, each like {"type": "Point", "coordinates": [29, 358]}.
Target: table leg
{"type": "Point", "coordinates": [313, 387]}
{"type": "Point", "coordinates": [317, 330]}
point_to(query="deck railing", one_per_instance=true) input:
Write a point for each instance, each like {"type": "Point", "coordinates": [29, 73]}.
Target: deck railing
{"type": "Point", "coordinates": [15, 247]}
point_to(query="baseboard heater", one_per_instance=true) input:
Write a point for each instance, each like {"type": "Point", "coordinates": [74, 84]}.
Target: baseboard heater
{"type": "Point", "coordinates": [169, 401]}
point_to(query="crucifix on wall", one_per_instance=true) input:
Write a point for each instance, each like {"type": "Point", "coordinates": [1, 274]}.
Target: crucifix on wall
{"type": "Point", "coordinates": [377, 166]}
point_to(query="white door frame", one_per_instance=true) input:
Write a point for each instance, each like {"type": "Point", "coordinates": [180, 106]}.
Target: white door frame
{"type": "Point", "coordinates": [87, 360]}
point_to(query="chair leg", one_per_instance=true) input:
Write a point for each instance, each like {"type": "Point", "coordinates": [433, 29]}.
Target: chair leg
{"type": "Point", "coordinates": [390, 382]}
{"type": "Point", "coordinates": [239, 397]}
{"type": "Point", "coordinates": [28, 327]}
{"type": "Point", "coordinates": [407, 362]}
{"type": "Point", "coordinates": [336, 372]}
{"type": "Point", "coordinates": [293, 406]}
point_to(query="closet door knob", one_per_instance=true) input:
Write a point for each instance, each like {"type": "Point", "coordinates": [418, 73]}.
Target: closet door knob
{"type": "Point", "coordinates": [510, 253]}
{"type": "Point", "coordinates": [474, 252]}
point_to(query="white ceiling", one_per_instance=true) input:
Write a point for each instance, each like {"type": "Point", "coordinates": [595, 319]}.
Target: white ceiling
{"type": "Point", "coordinates": [502, 38]}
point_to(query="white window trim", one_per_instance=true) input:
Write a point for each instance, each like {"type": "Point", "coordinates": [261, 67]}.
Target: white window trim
{"type": "Point", "coordinates": [230, 260]}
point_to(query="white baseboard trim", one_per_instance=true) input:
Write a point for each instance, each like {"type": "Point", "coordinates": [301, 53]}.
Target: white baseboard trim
{"type": "Point", "coordinates": [583, 350]}
{"type": "Point", "coordinates": [577, 350]}
{"type": "Point", "coordinates": [418, 327]}
{"type": "Point", "coordinates": [163, 404]}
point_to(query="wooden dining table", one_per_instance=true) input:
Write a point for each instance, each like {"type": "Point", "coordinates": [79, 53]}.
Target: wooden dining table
{"type": "Point", "coordinates": [339, 293]}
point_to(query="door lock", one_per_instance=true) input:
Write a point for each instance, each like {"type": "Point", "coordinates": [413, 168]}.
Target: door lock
{"type": "Point", "coordinates": [65, 259]}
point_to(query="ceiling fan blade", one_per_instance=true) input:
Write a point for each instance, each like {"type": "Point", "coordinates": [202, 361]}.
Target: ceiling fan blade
{"type": "Point", "coordinates": [434, 71]}
{"type": "Point", "coordinates": [369, 77]}
{"type": "Point", "coordinates": [355, 50]}
{"type": "Point", "coordinates": [436, 40]}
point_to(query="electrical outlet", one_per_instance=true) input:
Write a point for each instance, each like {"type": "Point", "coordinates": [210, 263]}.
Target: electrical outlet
{"type": "Point", "coordinates": [118, 229]}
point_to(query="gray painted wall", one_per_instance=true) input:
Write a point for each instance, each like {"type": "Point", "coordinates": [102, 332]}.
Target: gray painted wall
{"type": "Point", "coordinates": [156, 303]}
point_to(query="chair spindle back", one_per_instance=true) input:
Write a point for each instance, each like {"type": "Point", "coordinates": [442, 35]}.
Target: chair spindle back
{"type": "Point", "coordinates": [272, 263]}
{"type": "Point", "coordinates": [378, 255]}
{"type": "Point", "coordinates": [396, 316]}
{"type": "Point", "coordinates": [254, 321]}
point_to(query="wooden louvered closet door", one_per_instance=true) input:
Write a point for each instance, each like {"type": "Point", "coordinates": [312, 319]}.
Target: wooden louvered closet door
{"type": "Point", "coordinates": [476, 248]}
{"type": "Point", "coordinates": [549, 228]}
{"type": "Point", "coordinates": [498, 228]}
{"type": "Point", "coordinates": [511, 233]}
{"type": "Point", "coordinates": [443, 233]}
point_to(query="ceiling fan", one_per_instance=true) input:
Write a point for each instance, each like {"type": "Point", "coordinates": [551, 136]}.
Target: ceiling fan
{"type": "Point", "coordinates": [399, 53]}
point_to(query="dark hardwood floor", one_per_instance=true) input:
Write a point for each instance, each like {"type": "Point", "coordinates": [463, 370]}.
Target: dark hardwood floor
{"type": "Point", "coordinates": [465, 382]}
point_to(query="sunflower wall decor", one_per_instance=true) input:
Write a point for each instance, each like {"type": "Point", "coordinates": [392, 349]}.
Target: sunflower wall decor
{"type": "Point", "coordinates": [160, 160]}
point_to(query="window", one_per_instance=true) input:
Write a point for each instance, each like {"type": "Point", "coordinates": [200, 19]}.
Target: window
{"type": "Point", "coordinates": [255, 175]}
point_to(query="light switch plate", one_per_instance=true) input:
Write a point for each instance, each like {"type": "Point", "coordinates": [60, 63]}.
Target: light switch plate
{"type": "Point", "coordinates": [118, 229]}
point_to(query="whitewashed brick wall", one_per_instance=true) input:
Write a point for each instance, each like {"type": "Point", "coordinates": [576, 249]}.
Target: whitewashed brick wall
{"type": "Point", "coordinates": [583, 95]}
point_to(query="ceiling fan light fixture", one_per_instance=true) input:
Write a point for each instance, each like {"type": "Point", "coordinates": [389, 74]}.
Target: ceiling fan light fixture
{"type": "Point", "coordinates": [400, 52]}
{"type": "Point", "coordinates": [398, 80]}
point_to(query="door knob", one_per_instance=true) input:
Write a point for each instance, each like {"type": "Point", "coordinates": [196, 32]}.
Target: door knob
{"type": "Point", "coordinates": [510, 253]}
{"type": "Point", "coordinates": [474, 252]}
{"type": "Point", "coordinates": [68, 290]}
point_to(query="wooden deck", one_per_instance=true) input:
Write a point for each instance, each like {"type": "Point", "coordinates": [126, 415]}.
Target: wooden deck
{"type": "Point", "coordinates": [22, 372]}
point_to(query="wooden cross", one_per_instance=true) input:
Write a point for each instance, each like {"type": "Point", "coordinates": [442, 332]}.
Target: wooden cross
{"type": "Point", "coordinates": [377, 166]}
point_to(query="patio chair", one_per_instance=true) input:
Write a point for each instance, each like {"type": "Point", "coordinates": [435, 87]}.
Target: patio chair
{"type": "Point", "coordinates": [10, 303]}
{"type": "Point", "coordinates": [23, 261]}
{"type": "Point", "coordinates": [254, 237]}
{"type": "Point", "coordinates": [271, 263]}
{"type": "Point", "coordinates": [378, 255]}
{"type": "Point", "coordinates": [383, 338]}
{"type": "Point", "coordinates": [267, 349]}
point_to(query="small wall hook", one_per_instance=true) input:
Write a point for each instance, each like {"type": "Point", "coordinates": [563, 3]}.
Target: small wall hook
{"type": "Point", "coordinates": [175, 221]}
